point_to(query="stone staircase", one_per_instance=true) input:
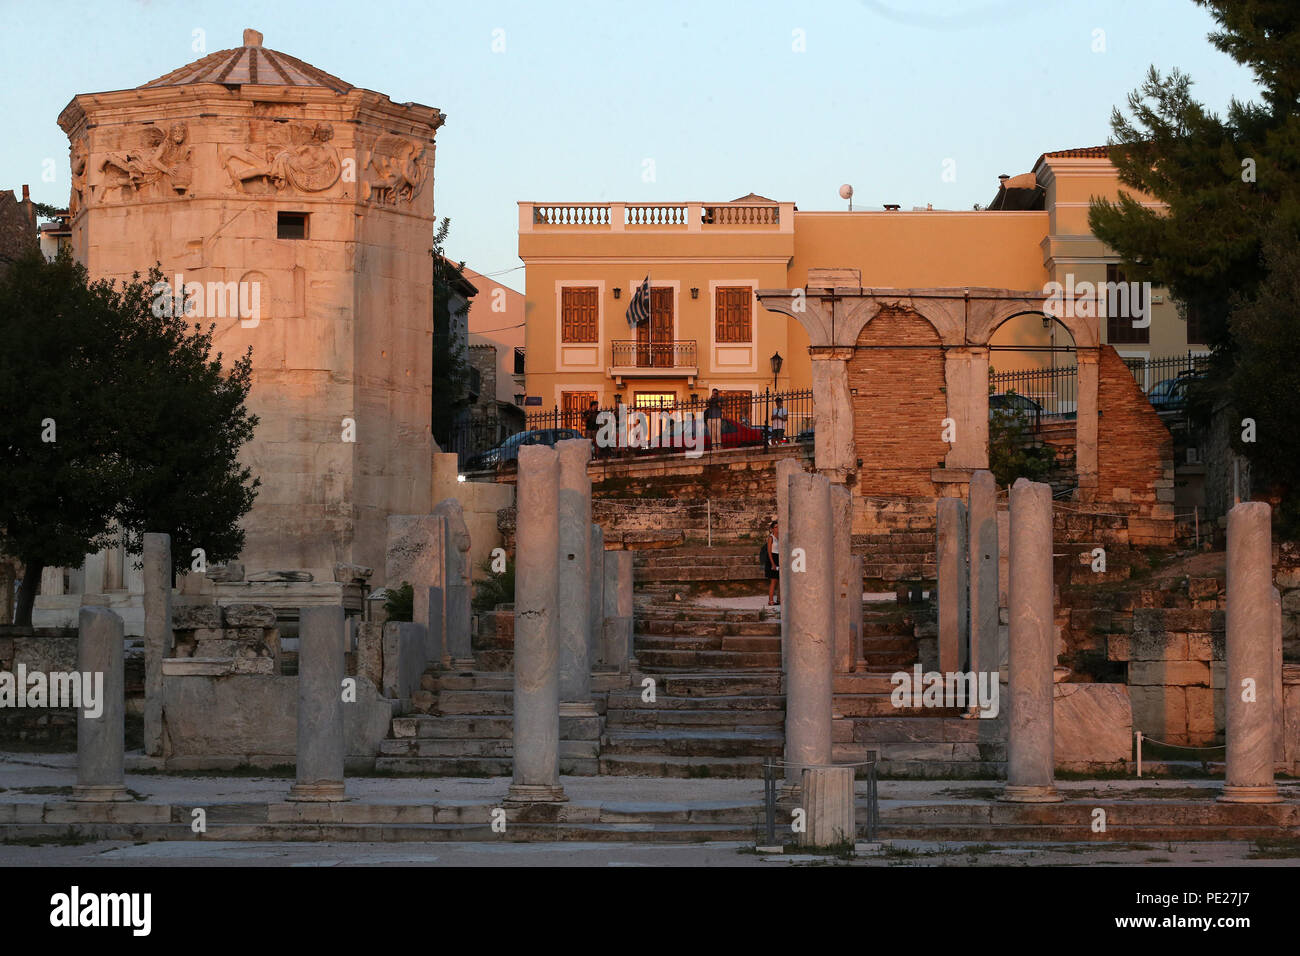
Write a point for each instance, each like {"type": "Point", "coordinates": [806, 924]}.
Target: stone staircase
{"type": "Point", "coordinates": [469, 732]}
{"type": "Point", "coordinates": [898, 557]}
{"type": "Point", "coordinates": [718, 708]}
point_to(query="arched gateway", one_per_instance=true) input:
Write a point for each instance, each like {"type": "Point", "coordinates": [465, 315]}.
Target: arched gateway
{"type": "Point", "coordinates": [900, 379]}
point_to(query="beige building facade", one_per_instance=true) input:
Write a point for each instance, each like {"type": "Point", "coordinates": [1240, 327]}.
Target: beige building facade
{"type": "Point", "coordinates": [705, 261]}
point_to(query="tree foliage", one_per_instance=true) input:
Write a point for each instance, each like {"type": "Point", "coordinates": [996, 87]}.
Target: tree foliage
{"type": "Point", "coordinates": [115, 418]}
{"type": "Point", "coordinates": [1231, 187]}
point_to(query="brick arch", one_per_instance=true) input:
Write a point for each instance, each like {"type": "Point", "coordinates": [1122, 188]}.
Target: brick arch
{"type": "Point", "coordinates": [899, 405]}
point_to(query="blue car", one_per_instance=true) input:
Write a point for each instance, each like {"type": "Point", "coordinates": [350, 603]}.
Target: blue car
{"type": "Point", "coordinates": [508, 450]}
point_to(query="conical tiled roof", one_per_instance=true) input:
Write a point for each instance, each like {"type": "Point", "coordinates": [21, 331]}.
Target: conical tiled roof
{"type": "Point", "coordinates": [251, 63]}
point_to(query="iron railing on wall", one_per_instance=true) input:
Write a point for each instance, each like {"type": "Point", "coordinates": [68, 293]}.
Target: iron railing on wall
{"type": "Point", "coordinates": [1056, 390]}
{"type": "Point", "coordinates": [646, 427]}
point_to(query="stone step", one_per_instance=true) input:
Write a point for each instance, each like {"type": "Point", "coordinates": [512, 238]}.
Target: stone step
{"type": "Point", "coordinates": [483, 727]}
{"type": "Point", "coordinates": [683, 643]}
{"type": "Point", "coordinates": [478, 680]}
{"type": "Point", "coordinates": [423, 747]}
{"type": "Point", "coordinates": [696, 573]}
{"type": "Point", "coordinates": [701, 628]}
{"type": "Point", "coordinates": [679, 611]}
{"type": "Point", "coordinates": [880, 705]}
{"type": "Point", "coordinates": [869, 682]}
{"type": "Point", "coordinates": [719, 660]}
{"type": "Point", "coordinates": [434, 766]}
{"type": "Point", "coordinates": [750, 721]}
{"type": "Point", "coordinates": [697, 685]}
{"type": "Point", "coordinates": [757, 701]}
{"type": "Point", "coordinates": [691, 743]}
{"type": "Point", "coordinates": [456, 702]}
{"type": "Point", "coordinates": [649, 765]}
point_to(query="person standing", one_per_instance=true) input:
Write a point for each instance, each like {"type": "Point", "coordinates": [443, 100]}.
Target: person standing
{"type": "Point", "coordinates": [771, 556]}
{"type": "Point", "coordinates": [777, 422]}
{"type": "Point", "coordinates": [713, 419]}
{"type": "Point", "coordinates": [591, 424]}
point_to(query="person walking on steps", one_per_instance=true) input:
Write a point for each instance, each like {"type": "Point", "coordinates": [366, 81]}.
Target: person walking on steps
{"type": "Point", "coordinates": [771, 556]}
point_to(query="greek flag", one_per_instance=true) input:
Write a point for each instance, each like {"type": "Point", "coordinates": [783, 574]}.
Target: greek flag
{"type": "Point", "coordinates": [638, 310]}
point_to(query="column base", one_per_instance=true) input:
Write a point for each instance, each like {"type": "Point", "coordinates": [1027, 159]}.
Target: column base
{"type": "Point", "coordinates": [1016, 794]}
{"type": "Point", "coordinates": [317, 793]}
{"type": "Point", "coordinates": [522, 794]}
{"type": "Point", "coordinates": [1263, 794]}
{"type": "Point", "coordinates": [578, 708]}
{"type": "Point", "coordinates": [100, 793]}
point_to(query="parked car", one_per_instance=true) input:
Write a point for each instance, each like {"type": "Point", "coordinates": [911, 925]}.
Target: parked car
{"type": "Point", "coordinates": [1016, 405]}
{"type": "Point", "coordinates": [508, 450]}
{"type": "Point", "coordinates": [734, 434]}
{"type": "Point", "coordinates": [1171, 393]}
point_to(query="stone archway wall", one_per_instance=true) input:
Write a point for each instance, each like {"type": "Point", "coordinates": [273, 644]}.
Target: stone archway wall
{"type": "Point", "coordinates": [899, 405]}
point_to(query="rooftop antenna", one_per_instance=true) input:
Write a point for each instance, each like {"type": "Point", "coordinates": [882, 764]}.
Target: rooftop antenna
{"type": "Point", "coordinates": [846, 192]}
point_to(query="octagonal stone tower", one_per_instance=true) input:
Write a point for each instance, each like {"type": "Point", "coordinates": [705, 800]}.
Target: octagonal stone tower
{"type": "Point", "coordinates": [251, 167]}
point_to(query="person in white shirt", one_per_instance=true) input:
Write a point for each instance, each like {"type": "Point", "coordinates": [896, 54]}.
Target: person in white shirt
{"type": "Point", "coordinates": [777, 421]}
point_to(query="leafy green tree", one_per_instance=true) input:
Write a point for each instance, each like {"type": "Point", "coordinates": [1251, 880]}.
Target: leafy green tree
{"type": "Point", "coordinates": [451, 370]}
{"type": "Point", "coordinates": [1228, 184]}
{"type": "Point", "coordinates": [116, 418]}
{"type": "Point", "coordinates": [400, 602]}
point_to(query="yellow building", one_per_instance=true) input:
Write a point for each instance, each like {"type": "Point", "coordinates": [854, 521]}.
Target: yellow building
{"type": "Point", "coordinates": [706, 330]}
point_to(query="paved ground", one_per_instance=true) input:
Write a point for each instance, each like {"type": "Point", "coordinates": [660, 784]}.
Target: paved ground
{"type": "Point", "coordinates": [42, 777]}
{"type": "Point", "coordinates": [900, 853]}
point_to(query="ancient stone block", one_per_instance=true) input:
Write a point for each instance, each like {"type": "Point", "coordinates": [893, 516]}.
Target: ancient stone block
{"type": "Point", "coordinates": [191, 616]}
{"type": "Point", "coordinates": [1176, 673]}
{"type": "Point", "coordinates": [1093, 723]}
{"type": "Point", "coordinates": [249, 615]}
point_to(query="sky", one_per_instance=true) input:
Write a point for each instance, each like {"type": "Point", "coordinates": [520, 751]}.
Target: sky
{"type": "Point", "coordinates": [580, 101]}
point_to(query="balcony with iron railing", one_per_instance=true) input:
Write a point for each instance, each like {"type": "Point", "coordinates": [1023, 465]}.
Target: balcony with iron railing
{"type": "Point", "coordinates": [746, 215]}
{"type": "Point", "coordinates": [674, 358]}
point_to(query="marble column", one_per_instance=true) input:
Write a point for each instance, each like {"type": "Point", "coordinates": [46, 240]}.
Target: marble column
{"type": "Point", "coordinates": [1030, 744]}
{"type": "Point", "coordinates": [157, 634]}
{"type": "Point", "coordinates": [982, 609]}
{"type": "Point", "coordinates": [101, 740]}
{"type": "Point", "coordinates": [809, 675]}
{"type": "Point", "coordinates": [954, 583]}
{"type": "Point", "coordinates": [966, 375]}
{"type": "Point", "coordinates": [537, 651]}
{"type": "Point", "coordinates": [1279, 691]}
{"type": "Point", "coordinates": [1086, 423]}
{"type": "Point", "coordinates": [842, 562]}
{"type": "Point", "coordinates": [785, 468]}
{"type": "Point", "coordinates": [596, 597]}
{"type": "Point", "coordinates": [828, 807]}
{"type": "Point", "coordinates": [1248, 696]}
{"type": "Point", "coordinates": [574, 561]}
{"type": "Point", "coordinates": [833, 452]}
{"type": "Point", "coordinates": [321, 741]}
{"type": "Point", "coordinates": [457, 649]}
{"type": "Point", "coordinates": [617, 633]}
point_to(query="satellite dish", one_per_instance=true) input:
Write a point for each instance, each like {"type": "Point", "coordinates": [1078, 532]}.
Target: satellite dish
{"type": "Point", "coordinates": [846, 191]}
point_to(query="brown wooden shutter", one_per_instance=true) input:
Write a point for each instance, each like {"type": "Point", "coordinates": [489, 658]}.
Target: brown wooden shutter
{"type": "Point", "coordinates": [578, 315]}
{"type": "Point", "coordinates": [734, 321]}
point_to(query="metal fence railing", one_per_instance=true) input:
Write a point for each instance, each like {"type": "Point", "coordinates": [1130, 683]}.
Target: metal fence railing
{"type": "Point", "coordinates": [742, 419]}
{"type": "Point", "coordinates": [1053, 392]}
{"type": "Point", "coordinates": [867, 824]}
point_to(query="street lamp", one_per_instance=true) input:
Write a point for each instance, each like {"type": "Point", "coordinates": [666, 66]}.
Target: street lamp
{"type": "Point", "coordinates": [777, 362]}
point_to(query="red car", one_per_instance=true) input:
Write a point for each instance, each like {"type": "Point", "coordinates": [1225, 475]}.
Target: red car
{"type": "Point", "coordinates": [734, 434]}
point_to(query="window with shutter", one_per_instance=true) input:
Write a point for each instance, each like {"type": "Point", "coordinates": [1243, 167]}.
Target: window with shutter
{"type": "Point", "coordinates": [734, 322]}
{"type": "Point", "coordinates": [579, 308]}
